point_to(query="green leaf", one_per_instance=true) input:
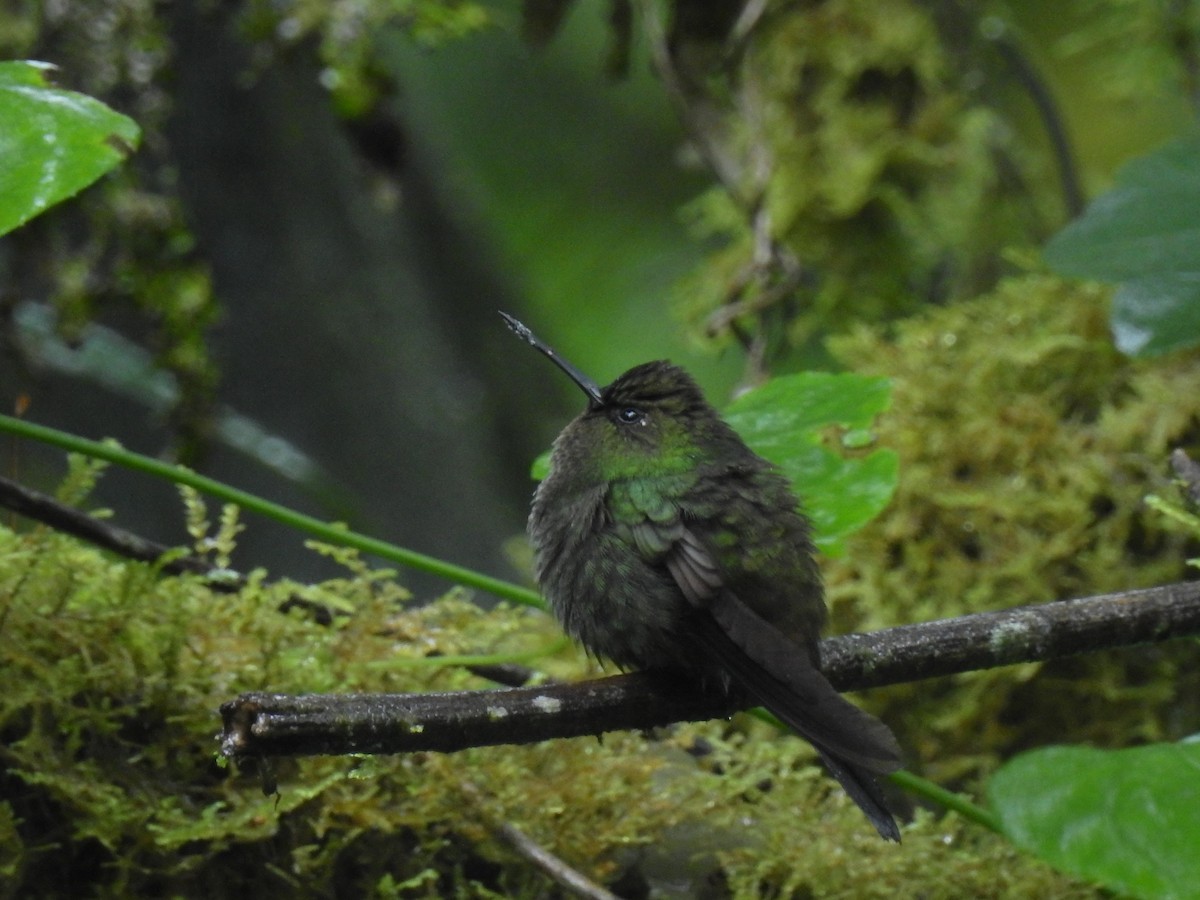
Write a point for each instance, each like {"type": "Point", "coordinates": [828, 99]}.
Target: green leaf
{"type": "Point", "coordinates": [784, 421]}
{"type": "Point", "coordinates": [1157, 313]}
{"type": "Point", "coordinates": [1144, 234]}
{"type": "Point", "coordinates": [1129, 819]}
{"type": "Point", "coordinates": [541, 467]}
{"type": "Point", "coordinates": [53, 143]}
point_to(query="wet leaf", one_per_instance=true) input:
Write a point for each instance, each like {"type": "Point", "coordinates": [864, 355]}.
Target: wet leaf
{"type": "Point", "coordinates": [53, 143]}
{"type": "Point", "coordinates": [1144, 235]}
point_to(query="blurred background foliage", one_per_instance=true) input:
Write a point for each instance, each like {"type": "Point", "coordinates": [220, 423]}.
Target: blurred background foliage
{"type": "Point", "coordinates": [303, 261]}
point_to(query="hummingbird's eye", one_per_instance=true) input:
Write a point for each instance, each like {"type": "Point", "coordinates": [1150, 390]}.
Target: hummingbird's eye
{"type": "Point", "coordinates": [629, 415]}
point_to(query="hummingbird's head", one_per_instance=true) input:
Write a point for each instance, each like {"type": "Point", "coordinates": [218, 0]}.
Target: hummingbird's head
{"type": "Point", "coordinates": [647, 422]}
{"type": "Point", "coordinates": [653, 419]}
{"type": "Point", "coordinates": [646, 395]}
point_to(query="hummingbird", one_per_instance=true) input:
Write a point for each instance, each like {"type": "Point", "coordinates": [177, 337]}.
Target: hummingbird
{"type": "Point", "coordinates": [663, 542]}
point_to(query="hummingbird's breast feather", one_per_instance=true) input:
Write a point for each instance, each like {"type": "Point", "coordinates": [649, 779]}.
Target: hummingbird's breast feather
{"type": "Point", "coordinates": [611, 595]}
{"type": "Point", "coordinates": [626, 563]}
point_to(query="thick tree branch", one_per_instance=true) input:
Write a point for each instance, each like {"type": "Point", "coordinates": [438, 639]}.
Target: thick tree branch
{"type": "Point", "coordinates": [262, 724]}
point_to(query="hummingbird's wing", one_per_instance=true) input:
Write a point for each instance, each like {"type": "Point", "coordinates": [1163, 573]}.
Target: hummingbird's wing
{"type": "Point", "coordinates": [783, 677]}
{"type": "Point", "coordinates": [778, 672]}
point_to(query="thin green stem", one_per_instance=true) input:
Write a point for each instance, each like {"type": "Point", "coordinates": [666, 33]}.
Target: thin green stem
{"type": "Point", "coordinates": [923, 787]}
{"type": "Point", "coordinates": [333, 534]}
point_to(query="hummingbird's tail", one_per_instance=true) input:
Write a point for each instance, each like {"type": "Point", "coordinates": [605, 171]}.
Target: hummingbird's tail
{"type": "Point", "coordinates": [780, 675]}
{"type": "Point", "coordinates": [862, 787]}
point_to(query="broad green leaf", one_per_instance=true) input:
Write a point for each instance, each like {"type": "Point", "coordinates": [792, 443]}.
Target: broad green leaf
{"type": "Point", "coordinates": [1128, 819]}
{"type": "Point", "coordinates": [1144, 234]}
{"type": "Point", "coordinates": [53, 143]}
{"type": "Point", "coordinates": [784, 421]}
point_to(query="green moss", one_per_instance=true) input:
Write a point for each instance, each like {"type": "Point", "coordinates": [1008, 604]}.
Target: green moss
{"type": "Point", "coordinates": [891, 181]}
{"type": "Point", "coordinates": [1027, 444]}
{"type": "Point", "coordinates": [108, 721]}
{"type": "Point", "coordinates": [944, 857]}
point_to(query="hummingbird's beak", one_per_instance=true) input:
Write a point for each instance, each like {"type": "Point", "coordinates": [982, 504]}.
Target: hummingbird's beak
{"type": "Point", "coordinates": [586, 384]}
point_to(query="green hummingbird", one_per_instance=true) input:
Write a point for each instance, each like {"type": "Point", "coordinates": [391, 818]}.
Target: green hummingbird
{"type": "Point", "coordinates": [663, 542]}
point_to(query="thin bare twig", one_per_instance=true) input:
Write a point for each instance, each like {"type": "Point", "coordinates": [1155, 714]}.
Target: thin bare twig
{"type": "Point", "coordinates": [559, 872]}
{"type": "Point", "coordinates": [1028, 76]}
{"type": "Point", "coordinates": [44, 508]}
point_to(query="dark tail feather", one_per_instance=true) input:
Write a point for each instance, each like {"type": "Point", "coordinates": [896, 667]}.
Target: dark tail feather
{"type": "Point", "coordinates": [873, 745]}
{"type": "Point", "coordinates": [782, 677]}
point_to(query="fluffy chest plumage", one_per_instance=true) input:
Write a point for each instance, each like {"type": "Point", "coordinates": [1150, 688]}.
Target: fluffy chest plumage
{"type": "Point", "coordinates": [626, 563]}
{"type": "Point", "coordinates": [599, 558]}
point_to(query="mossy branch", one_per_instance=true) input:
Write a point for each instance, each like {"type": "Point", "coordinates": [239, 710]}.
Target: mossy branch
{"type": "Point", "coordinates": [264, 724]}
{"type": "Point", "coordinates": [333, 534]}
